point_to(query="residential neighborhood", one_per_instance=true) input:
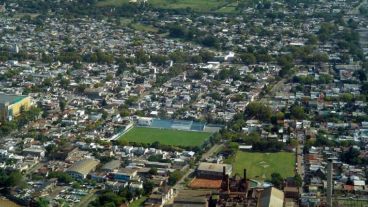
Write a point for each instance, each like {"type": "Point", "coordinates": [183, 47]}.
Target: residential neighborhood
{"type": "Point", "coordinates": [180, 103]}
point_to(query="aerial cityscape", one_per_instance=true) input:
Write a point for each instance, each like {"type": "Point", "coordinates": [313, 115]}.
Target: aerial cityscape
{"type": "Point", "coordinates": [180, 103]}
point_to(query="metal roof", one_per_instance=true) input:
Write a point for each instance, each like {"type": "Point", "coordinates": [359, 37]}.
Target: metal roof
{"type": "Point", "coordinates": [11, 99]}
{"type": "Point", "coordinates": [84, 166]}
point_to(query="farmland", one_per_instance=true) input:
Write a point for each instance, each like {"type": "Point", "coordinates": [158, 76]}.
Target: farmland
{"type": "Point", "coordinates": [261, 165]}
{"type": "Point", "coordinates": [165, 136]}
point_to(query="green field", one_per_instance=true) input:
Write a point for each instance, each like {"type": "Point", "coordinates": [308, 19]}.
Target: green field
{"type": "Point", "coordinates": [166, 136]}
{"type": "Point", "coordinates": [196, 5]}
{"type": "Point", "coordinates": [139, 202]}
{"type": "Point", "coordinates": [261, 165]}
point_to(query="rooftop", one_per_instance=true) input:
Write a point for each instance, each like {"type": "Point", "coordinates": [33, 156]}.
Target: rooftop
{"type": "Point", "coordinates": [206, 166]}
{"type": "Point", "coordinates": [11, 99]}
{"type": "Point", "coordinates": [84, 166]}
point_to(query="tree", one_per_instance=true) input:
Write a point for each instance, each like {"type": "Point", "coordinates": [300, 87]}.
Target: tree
{"type": "Point", "coordinates": [62, 105]}
{"type": "Point", "coordinates": [148, 187]}
{"type": "Point", "coordinates": [297, 112]}
{"type": "Point", "coordinates": [15, 178]}
{"type": "Point", "coordinates": [351, 156]}
{"type": "Point", "coordinates": [174, 177]}
{"type": "Point", "coordinates": [153, 171]}
{"type": "Point", "coordinates": [61, 177]}
{"type": "Point", "coordinates": [277, 180]}
{"type": "Point", "coordinates": [298, 180]}
{"type": "Point", "coordinates": [259, 111]}
{"type": "Point", "coordinates": [365, 88]}
{"type": "Point", "coordinates": [248, 58]}
{"type": "Point", "coordinates": [41, 202]}
{"type": "Point", "coordinates": [361, 75]}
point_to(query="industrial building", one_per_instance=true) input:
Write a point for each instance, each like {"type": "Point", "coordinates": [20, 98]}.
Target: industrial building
{"type": "Point", "coordinates": [82, 168]}
{"type": "Point", "coordinates": [12, 105]}
{"type": "Point", "coordinates": [213, 170]}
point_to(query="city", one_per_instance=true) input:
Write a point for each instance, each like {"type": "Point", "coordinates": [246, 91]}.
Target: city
{"type": "Point", "coordinates": [183, 103]}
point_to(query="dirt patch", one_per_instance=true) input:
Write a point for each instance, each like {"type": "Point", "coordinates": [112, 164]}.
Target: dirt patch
{"type": "Point", "coordinates": [205, 183]}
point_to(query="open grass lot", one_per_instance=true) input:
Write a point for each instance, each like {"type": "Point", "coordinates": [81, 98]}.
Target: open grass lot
{"type": "Point", "coordinates": [260, 166]}
{"type": "Point", "coordinates": [166, 136]}
{"type": "Point", "coordinates": [197, 5]}
{"type": "Point", "coordinates": [139, 202]}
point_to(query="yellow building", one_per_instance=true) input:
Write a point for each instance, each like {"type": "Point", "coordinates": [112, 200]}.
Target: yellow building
{"type": "Point", "coordinates": [12, 105]}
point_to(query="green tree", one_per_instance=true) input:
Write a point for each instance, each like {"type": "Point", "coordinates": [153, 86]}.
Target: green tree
{"type": "Point", "coordinates": [259, 111]}
{"type": "Point", "coordinates": [248, 58]}
{"type": "Point", "coordinates": [277, 180]}
{"type": "Point", "coordinates": [297, 112]}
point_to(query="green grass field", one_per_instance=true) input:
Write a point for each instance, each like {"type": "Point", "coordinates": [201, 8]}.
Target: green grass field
{"type": "Point", "coordinates": [166, 136]}
{"type": "Point", "coordinates": [139, 202]}
{"type": "Point", "coordinates": [260, 166]}
{"type": "Point", "coordinates": [196, 5]}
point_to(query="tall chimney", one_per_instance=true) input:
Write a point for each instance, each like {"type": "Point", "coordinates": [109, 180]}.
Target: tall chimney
{"type": "Point", "coordinates": [329, 183]}
{"type": "Point", "coordinates": [223, 172]}
{"type": "Point", "coordinates": [228, 183]}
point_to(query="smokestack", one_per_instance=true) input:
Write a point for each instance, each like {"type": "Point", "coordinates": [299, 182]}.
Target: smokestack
{"type": "Point", "coordinates": [329, 183]}
{"type": "Point", "coordinates": [228, 183]}
{"type": "Point", "coordinates": [223, 172]}
{"type": "Point", "coordinates": [245, 174]}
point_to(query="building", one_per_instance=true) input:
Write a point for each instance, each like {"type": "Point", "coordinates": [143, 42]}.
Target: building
{"type": "Point", "coordinates": [12, 105]}
{"type": "Point", "coordinates": [124, 174]}
{"type": "Point", "coordinates": [271, 197]}
{"type": "Point", "coordinates": [213, 170]}
{"type": "Point", "coordinates": [82, 168]}
{"type": "Point", "coordinates": [35, 151]}
{"type": "Point", "coordinates": [111, 166]}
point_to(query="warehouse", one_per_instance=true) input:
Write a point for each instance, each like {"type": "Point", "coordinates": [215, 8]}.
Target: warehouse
{"type": "Point", "coordinates": [213, 170]}
{"type": "Point", "coordinates": [82, 168]}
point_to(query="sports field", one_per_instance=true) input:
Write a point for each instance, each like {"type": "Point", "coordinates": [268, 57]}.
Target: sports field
{"type": "Point", "coordinates": [260, 166]}
{"type": "Point", "coordinates": [197, 5]}
{"type": "Point", "coordinates": [166, 136]}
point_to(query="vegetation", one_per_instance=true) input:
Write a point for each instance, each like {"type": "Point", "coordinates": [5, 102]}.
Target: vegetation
{"type": "Point", "coordinates": [203, 6]}
{"type": "Point", "coordinates": [166, 136]}
{"type": "Point", "coordinates": [175, 176]}
{"type": "Point", "coordinates": [19, 122]}
{"type": "Point", "coordinates": [259, 111]}
{"type": "Point", "coordinates": [262, 165]}
{"type": "Point", "coordinates": [11, 179]}
{"type": "Point", "coordinates": [62, 177]}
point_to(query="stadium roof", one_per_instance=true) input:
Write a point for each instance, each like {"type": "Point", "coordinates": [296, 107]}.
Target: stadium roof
{"type": "Point", "coordinates": [84, 166]}
{"type": "Point", "coordinates": [11, 99]}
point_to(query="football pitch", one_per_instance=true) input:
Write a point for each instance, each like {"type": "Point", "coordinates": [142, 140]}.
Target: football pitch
{"type": "Point", "coordinates": [166, 136]}
{"type": "Point", "coordinates": [260, 166]}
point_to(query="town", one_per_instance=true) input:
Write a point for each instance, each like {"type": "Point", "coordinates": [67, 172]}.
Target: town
{"type": "Point", "coordinates": [184, 103]}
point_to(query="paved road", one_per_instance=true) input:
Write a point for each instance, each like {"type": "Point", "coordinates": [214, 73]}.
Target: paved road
{"type": "Point", "coordinates": [87, 199]}
{"type": "Point", "coordinates": [211, 151]}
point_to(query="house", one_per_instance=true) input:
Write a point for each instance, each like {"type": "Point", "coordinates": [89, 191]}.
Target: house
{"type": "Point", "coordinates": [160, 196]}
{"type": "Point", "coordinates": [36, 151]}
{"type": "Point", "coordinates": [124, 174]}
